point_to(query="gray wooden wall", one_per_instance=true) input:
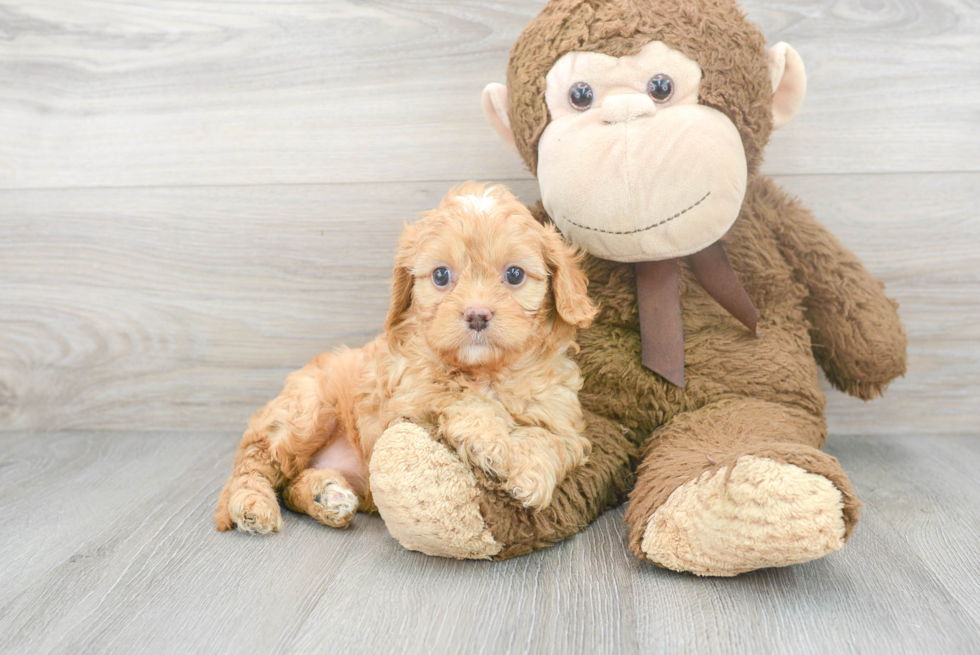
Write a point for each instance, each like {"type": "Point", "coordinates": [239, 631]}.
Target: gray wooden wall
{"type": "Point", "coordinates": [196, 197]}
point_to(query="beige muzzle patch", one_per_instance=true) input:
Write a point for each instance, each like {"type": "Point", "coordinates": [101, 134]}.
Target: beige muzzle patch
{"type": "Point", "coordinates": [642, 186]}
{"type": "Point", "coordinates": [625, 107]}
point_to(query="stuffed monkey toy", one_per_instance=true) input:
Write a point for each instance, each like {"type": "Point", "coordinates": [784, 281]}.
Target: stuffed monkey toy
{"type": "Point", "coordinates": [645, 123]}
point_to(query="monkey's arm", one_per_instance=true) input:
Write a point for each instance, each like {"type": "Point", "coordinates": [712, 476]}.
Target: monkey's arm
{"type": "Point", "coordinates": [857, 337]}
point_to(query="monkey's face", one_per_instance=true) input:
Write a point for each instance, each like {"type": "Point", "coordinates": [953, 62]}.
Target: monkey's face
{"type": "Point", "coordinates": [631, 167]}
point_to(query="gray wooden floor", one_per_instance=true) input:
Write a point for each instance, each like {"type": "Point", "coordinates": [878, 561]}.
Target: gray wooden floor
{"type": "Point", "coordinates": [198, 197]}
{"type": "Point", "coordinates": [108, 547]}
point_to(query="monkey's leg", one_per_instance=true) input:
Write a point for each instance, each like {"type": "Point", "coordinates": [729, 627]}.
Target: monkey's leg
{"type": "Point", "coordinates": [324, 494]}
{"type": "Point", "coordinates": [432, 502]}
{"type": "Point", "coordinates": [739, 485]}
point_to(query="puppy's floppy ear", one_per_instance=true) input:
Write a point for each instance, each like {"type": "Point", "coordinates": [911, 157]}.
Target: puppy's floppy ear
{"type": "Point", "coordinates": [568, 281]}
{"type": "Point", "coordinates": [402, 279]}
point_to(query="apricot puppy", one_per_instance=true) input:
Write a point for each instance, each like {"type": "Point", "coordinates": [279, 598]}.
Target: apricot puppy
{"type": "Point", "coordinates": [485, 303]}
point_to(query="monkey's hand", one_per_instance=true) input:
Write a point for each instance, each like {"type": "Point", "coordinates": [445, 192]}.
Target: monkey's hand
{"type": "Point", "coordinates": [432, 502]}
{"type": "Point", "coordinates": [858, 341]}
{"type": "Point", "coordinates": [856, 333]}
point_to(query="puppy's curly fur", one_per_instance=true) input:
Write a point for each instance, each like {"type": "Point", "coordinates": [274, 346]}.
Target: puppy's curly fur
{"type": "Point", "coordinates": [485, 303]}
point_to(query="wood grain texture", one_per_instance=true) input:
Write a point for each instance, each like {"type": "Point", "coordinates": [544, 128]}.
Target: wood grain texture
{"type": "Point", "coordinates": [58, 483]}
{"type": "Point", "coordinates": [150, 573]}
{"type": "Point", "coordinates": [929, 495]}
{"type": "Point", "coordinates": [142, 93]}
{"type": "Point", "coordinates": [186, 308]}
{"type": "Point", "coordinates": [918, 234]}
{"type": "Point", "coordinates": [196, 198]}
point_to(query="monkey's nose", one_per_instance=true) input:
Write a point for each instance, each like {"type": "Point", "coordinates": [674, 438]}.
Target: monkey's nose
{"type": "Point", "coordinates": [477, 317]}
{"type": "Point", "coordinates": [624, 107]}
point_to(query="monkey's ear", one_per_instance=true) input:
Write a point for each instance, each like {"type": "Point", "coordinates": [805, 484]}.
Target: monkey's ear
{"type": "Point", "coordinates": [495, 109]}
{"type": "Point", "coordinates": [788, 83]}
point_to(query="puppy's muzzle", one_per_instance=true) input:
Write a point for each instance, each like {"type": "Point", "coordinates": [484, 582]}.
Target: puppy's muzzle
{"type": "Point", "coordinates": [477, 318]}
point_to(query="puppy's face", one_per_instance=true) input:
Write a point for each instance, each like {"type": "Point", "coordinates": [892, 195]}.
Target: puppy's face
{"type": "Point", "coordinates": [481, 281]}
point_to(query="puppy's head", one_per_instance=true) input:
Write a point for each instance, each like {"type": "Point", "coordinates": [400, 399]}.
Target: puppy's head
{"type": "Point", "coordinates": [480, 281]}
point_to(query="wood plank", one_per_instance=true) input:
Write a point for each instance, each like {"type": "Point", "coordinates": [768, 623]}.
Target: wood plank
{"type": "Point", "coordinates": [135, 93]}
{"type": "Point", "coordinates": [228, 587]}
{"type": "Point", "coordinates": [575, 598]}
{"type": "Point", "coordinates": [186, 308]}
{"type": "Point", "coordinates": [927, 490]}
{"type": "Point", "coordinates": [918, 235]}
{"type": "Point", "coordinates": [869, 67]}
{"type": "Point", "coordinates": [156, 307]}
{"type": "Point", "coordinates": [158, 578]}
{"type": "Point", "coordinates": [161, 566]}
{"type": "Point", "coordinates": [73, 484]}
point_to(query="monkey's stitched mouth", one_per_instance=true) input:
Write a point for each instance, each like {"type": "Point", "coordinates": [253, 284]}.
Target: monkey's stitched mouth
{"type": "Point", "coordinates": [648, 227]}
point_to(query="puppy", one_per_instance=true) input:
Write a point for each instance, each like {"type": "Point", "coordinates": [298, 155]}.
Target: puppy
{"type": "Point", "coordinates": [485, 303]}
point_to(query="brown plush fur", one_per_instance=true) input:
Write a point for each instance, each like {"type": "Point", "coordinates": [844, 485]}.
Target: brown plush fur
{"type": "Point", "coordinates": [503, 396]}
{"type": "Point", "coordinates": [744, 396]}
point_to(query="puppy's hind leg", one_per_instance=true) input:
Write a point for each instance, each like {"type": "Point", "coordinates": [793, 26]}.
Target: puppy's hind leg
{"type": "Point", "coordinates": [248, 498]}
{"type": "Point", "coordinates": [324, 494]}
{"type": "Point", "coordinates": [279, 441]}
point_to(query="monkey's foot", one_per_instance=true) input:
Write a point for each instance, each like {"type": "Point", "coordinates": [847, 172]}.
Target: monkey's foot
{"type": "Point", "coordinates": [428, 498]}
{"type": "Point", "coordinates": [764, 514]}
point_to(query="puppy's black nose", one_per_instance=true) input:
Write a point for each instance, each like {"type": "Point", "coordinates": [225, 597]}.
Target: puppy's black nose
{"type": "Point", "coordinates": [477, 317]}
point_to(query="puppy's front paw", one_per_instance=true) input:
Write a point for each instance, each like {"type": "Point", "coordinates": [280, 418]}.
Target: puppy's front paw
{"type": "Point", "coordinates": [486, 454]}
{"type": "Point", "coordinates": [529, 482]}
{"type": "Point", "coordinates": [335, 505]}
{"type": "Point", "coordinates": [534, 489]}
{"type": "Point", "coordinates": [255, 512]}
{"type": "Point", "coordinates": [543, 461]}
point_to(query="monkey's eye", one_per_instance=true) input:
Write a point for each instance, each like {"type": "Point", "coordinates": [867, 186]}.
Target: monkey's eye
{"type": "Point", "coordinates": [514, 276]}
{"type": "Point", "coordinates": [441, 277]}
{"type": "Point", "coordinates": [660, 87]}
{"type": "Point", "coordinates": [580, 96]}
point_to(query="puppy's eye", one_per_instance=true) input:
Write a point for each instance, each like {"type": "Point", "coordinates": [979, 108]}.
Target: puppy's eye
{"type": "Point", "coordinates": [514, 276]}
{"type": "Point", "coordinates": [581, 96]}
{"type": "Point", "coordinates": [660, 87]}
{"type": "Point", "coordinates": [441, 277]}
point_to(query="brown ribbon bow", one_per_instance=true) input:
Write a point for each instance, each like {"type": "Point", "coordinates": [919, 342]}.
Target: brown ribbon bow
{"type": "Point", "coordinates": [658, 297]}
